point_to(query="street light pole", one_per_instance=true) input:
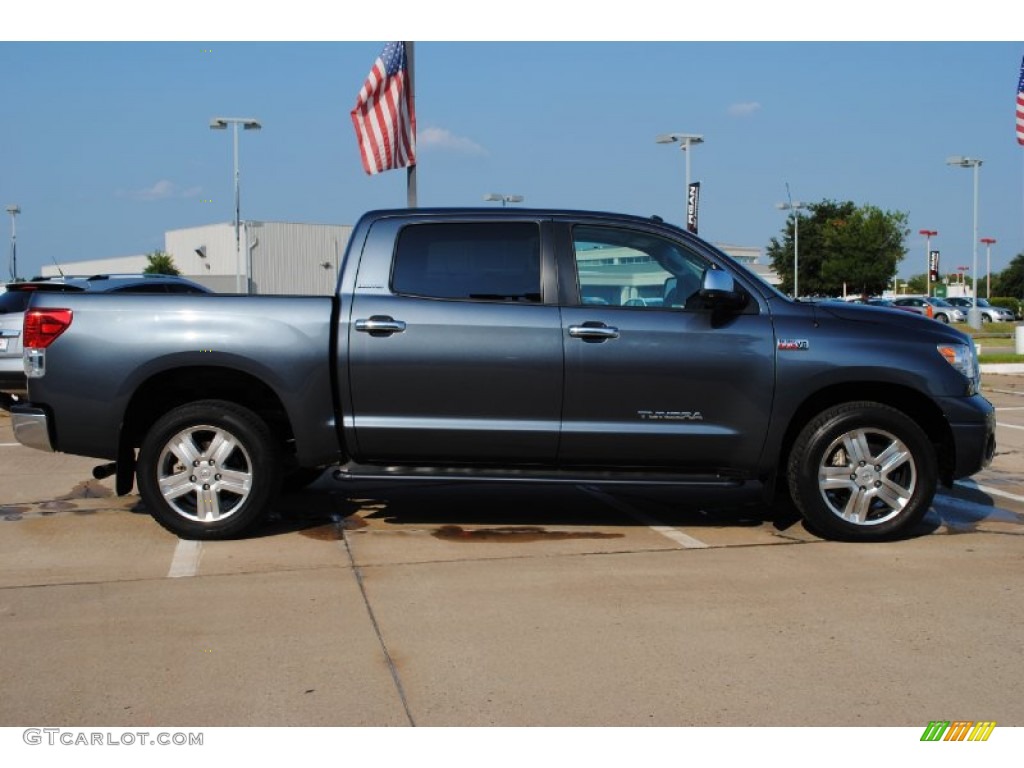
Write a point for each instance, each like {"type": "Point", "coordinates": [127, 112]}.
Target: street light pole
{"type": "Point", "coordinates": [795, 208]}
{"type": "Point", "coordinates": [973, 314]}
{"type": "Point", "coordinates": [989, 242]}
{"type": "Point", "coordinates": [686, 140]}
{"type": "Point", "coordinates": [494, 197]}
{"type": "Point", "coordinates": [14, 210]}
{"type": "Point", "coordinates": [928, 235]}
{"type": "Point", "coordinates": [249, 124]}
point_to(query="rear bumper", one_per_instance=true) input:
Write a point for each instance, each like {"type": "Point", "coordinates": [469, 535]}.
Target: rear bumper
{"type": "Point", "coordinates": [32, 427]}
{"type": "Point", "coordinates": [12, 380]}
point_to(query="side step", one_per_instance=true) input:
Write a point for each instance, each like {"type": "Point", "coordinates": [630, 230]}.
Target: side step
{"type": "Point", "coordinates": [353, 471]}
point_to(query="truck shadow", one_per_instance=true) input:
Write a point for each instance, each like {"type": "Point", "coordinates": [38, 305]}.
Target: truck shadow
{"type": "Point", "coordinates": [506, 510]}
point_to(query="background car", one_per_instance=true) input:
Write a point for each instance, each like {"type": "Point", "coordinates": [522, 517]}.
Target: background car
{"type": "Point", "coordinates": [989, 313]}
{"type": "Point", "coordinates": [14, 298]}
{"type": "Point", "coordinates": [939, 309]}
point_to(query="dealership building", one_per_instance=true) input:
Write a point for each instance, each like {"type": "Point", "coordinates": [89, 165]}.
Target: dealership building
{"type": "Point", "coordinates": [276, 257]}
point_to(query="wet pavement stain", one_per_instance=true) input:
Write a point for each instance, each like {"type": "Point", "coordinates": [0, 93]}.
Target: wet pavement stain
{"type": "Point", "coordinates": [335, 531]}
{"type": "Point", "coordinates": [515, 535]}
{"type": "Point", "coordinates": [52, 507]}
{"type": "Point", "coordinates": [11, 514]}
{"type": "Point", "coordinates": [329, 532]}
{"type": "Point", "coordinates": [88, 489]}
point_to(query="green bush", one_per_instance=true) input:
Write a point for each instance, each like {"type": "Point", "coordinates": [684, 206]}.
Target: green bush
{"type": "Point", "coordinates": [1008, 302]}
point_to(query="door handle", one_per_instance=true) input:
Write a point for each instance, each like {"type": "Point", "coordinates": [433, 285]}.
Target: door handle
{"type": "Point", "coordinates": [380, 325]}
{"type": "Point", "coordinates": [593, 332]}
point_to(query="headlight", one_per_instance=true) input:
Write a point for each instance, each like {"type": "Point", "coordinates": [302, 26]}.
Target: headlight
{"type": "Point", "coordinates": [964, 358]}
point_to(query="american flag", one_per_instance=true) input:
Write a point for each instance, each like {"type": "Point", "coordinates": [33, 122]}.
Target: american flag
{"type": "Point", "coordinates": [385, 116]}
{"type": "Point", "coordinates": [1020, 105]}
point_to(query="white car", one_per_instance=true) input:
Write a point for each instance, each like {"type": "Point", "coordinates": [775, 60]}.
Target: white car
{"type": "Point", "coordinates": [938, 309]}
{"type": "Point", "coordinates": [989, 313]}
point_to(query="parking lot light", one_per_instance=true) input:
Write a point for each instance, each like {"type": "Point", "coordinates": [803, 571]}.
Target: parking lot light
{"type": "Point", "coordinates": [959, 161]}
{"type": "Point", "coordinates": [989, 242]}
{"type": "Point", "coordinates": [795, 207]}
{"type": "Point", "coordinates": [249, 124]}
{"type": "Point", "coordinates": [14, 210]}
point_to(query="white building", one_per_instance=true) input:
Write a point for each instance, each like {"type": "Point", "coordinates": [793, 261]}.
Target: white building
{"type": "Point", "coordinates": [278, 258]}
{"type": "Point", "coordinates": [271, 258]}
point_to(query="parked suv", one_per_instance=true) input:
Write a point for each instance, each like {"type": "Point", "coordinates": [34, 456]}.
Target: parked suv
{"type": "Point", "coordinates": [989, 313]}
{"type": "Point", "coordinates": [14, 298]}
{"type": "Point", "coordinates": [939, 309]}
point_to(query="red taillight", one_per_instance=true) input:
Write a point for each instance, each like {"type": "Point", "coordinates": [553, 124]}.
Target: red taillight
{"type": "Point", "coordinates": [43, 326]}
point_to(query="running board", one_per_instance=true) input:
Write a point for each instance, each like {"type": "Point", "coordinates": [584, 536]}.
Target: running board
{"type": "Point", "coordinates": [353, 471]}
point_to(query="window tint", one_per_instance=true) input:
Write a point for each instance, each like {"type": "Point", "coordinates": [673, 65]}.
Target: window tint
{"type": "Point", "coordinates": [482, 262]}
{"type": "Point", "coordinates": [623, 268]}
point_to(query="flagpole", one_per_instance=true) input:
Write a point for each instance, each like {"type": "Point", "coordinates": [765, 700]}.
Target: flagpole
{"type": "Point", "coordinates": [410, 173]}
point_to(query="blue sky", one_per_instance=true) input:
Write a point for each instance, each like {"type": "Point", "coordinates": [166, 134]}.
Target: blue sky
{"type": "Point", "coordinates": [106, 145]}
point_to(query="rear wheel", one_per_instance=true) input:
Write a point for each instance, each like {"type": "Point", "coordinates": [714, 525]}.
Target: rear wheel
{"type": "Point", "coordinates": [862, 471]}
{"type": "Point", "coordinates": [208, 470]}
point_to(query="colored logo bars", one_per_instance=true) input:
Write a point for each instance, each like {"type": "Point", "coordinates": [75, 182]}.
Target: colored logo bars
{"type": "Point", "coordinates": [958, 730]}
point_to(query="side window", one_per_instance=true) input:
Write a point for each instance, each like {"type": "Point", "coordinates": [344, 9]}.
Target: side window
{"type": "Point", "coordinates": [625, 268]}
{"type": "Point", "coordinates": [492, 261]}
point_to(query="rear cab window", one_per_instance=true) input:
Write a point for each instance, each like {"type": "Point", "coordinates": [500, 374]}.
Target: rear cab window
{"type": "Point", "coordinates": [469, 261]}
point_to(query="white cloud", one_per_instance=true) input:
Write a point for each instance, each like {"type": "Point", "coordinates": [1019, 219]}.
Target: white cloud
{"type": "Point", "coordinates": [744, 108]}
{"type": "Point", "coordinates": [163, 190]}
{"type": "Point", "coordinates": [442, 138]}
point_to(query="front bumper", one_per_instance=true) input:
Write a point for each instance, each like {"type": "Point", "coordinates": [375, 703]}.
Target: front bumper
{"type": "Point", "coordinates": [972, 421]}
{"type": "Point", "coordinates": [32, 427]}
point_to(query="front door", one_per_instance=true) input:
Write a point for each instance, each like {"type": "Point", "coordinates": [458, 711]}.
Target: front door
{"type": "Point", "coordinates": [653, 379]}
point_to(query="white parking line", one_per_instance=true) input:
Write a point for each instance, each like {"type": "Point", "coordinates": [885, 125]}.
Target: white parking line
{"type": "Point", "coordinates": [989, 490]}
{"type": "Point", "coordinates": [1008, 426]}
{"type": "Point", "coordinates": [185, 562]}
{"type": "Point", "coordinates": [9, 445]}
{"type": "Point", "coordinates": [680, 538]}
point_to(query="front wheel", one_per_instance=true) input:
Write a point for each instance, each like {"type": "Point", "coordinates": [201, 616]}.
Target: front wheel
{"type": "Point", "coordinates": [862, 471]}
{"type": "Point", "coordinates": [942, 318]}
{"type": "Point", "coordinates": [208, 470]}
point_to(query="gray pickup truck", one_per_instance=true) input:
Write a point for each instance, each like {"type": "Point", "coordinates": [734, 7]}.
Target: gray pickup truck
{"type": "Point", "coordinates": [509, 345]}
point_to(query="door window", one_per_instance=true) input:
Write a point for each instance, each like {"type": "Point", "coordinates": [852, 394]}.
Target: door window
{"type": "Point", "coordinates": [492, 261]}
{"type": "Point", "coordinates": [625, 268]}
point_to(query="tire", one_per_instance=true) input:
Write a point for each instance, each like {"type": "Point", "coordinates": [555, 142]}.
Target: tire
{"type": "Point", "coordinates": [862, 471]}
{"type": "Point", "coordinates": [209, 470]}
{"type": "Point", "coordinates": [942, 318]}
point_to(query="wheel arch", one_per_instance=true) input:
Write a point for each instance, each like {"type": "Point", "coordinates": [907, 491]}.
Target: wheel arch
{"type": "Point", "coordinates": [918, 407]}
{"type": "Point", "coordinates": [164, 391]}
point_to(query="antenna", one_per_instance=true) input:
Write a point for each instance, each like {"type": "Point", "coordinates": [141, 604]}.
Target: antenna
{"type": "Point", "coordinates": [61, 271]}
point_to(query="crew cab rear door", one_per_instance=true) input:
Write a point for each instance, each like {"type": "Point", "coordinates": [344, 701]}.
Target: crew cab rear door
{"type": "Point", "coordinates": [454, 343]}
{"type": "Point", "coordinates": [653, 379]}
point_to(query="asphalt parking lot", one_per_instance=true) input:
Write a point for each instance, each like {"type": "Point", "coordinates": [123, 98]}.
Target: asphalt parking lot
{"type": "Point", "coordinates": [453, 604]}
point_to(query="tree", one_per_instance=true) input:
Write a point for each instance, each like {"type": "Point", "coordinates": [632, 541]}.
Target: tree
{"type": "Point", "coordinates": [1010, 282]}
{"type": "Point", "coordinates": [160, 263]}
{"type": "Point", "coordinates": [916, 283]}
{"type": "Point", "coordinates": [842, 247]}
